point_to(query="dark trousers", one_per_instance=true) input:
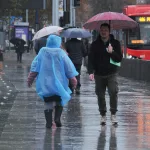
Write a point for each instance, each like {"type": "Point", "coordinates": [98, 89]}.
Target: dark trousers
{"type": "Point", "coordinates": [30, 46]}
{"type": "Point", "coordinates": [109, 82]}
{"type": "Point", "coordinates": [78, 68]}
{"type": "Point", "coordinates": [48, 111]}
{"type": "Point", "coordinates": [19, 57]}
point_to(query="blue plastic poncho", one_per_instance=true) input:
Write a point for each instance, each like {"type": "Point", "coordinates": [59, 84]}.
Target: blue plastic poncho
{"type": "Point", "coordinates": [54, 68]}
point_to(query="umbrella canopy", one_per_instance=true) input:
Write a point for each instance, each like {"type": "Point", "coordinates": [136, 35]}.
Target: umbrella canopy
{"type": "Point", "coordinates": [47, 31]}
{"type": "Point", "coordinates": [75, 33]}
{"type": "Point", "coordinates": [116, 21]}
{"type": "Point", "coordinates": [15, 40]}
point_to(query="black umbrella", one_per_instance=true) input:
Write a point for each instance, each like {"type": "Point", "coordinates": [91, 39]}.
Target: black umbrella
{"type": "Point", "coordinates": [16, 40]}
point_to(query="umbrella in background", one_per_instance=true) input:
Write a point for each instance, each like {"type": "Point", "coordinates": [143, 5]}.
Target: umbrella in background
{"type": "Point", "coordinates": [75, 33]}
{"type": "Point", "coordinates": [47, 31]}
{"type": "Point", "coordinates": [15, 40]}
{"type": "Point", "coordinates": [116, 21]}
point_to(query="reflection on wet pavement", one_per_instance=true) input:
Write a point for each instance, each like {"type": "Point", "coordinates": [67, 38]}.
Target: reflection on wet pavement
{"type": "Point", "coordinates": [22, 123]}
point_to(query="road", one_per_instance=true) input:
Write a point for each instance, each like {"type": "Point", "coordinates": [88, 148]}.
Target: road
{"type": "Point", "coordinates": [22, 122]}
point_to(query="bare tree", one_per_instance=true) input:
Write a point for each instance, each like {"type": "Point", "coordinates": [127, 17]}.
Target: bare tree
{"type": "Point", "coordinates": [82, 17]}
{"type": "Point", "coordinates": [45, 16]}
{"type": "Point", "coordinates": [15, 9]}
{"type": "Point", "coordinates": [89, 8]}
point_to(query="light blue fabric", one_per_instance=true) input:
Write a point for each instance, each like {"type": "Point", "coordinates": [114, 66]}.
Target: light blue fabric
{"type": "Point", "coordinates": [54, 68]}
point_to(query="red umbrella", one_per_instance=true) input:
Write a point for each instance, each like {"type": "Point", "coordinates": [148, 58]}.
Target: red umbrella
{"type": "Point", "coordinates": [116, 21]}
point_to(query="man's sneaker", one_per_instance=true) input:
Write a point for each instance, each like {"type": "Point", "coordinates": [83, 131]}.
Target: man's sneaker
{"type": "Point", "coordinates": [103, 120]}
{"type": "Point", "coordinates": [114, 119]}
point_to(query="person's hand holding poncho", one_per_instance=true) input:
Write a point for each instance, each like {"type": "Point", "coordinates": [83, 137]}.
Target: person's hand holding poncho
{"type": "Point", "coordinates": [31, 77]}
{"type": "Point", "coordinates": [73, 82]}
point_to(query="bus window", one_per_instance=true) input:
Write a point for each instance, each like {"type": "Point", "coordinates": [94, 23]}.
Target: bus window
{"type": "Point", "coordinates": [145, 33]}
{"type": "Point", "coordinates": [133, 36]}
{"type": "Point", "coordinates": [139, 35]}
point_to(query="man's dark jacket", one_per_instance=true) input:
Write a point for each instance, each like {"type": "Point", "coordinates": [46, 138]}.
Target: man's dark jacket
{"type": "Point", "coordinates": [99, 58]}
{"type": "Point", "coordinates": [40, 43]}
{"type": "Point", "coordinates": [76, 50]}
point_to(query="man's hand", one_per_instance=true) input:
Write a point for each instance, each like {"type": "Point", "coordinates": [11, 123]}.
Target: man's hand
{"type": "Point", "coordinates": [91, 77]}
{"type": "Point", "coordinates": [110, 49]}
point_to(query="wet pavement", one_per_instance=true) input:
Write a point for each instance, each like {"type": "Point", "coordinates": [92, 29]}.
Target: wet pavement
{"type": "Point", "coordinates": [22, 122]}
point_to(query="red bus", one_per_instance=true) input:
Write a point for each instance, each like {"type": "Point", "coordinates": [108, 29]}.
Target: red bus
{"type": "Point", "coordinates": [138, 40]}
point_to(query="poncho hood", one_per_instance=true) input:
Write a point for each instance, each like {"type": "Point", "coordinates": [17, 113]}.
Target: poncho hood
{"type": "Point", "coordinates": [53, 41]}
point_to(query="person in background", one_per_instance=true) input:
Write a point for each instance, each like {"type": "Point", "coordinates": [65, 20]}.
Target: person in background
{"type": "Point", "coordinates": [76, 51]}
{"type": "Point", "coordinates": [103, 52]}
{"type": "Point", "coordinates": [19, 50]}
{"type": "Point", "coordinates": [87, 46]}
{"type": "Point", "coordinates": [30, 46]}
{"type": "Point", "coordinates": [30, 42]}
{"type": "Point", "coordinates": [39, 43]}
{"type": "Point", "coordinates": [52, 69]}
{"type": "Point", "coordinates": [1, 59]}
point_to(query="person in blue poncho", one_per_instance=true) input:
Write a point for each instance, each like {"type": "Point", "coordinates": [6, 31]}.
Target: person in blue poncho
{"type": "Point", "coordinates": [53, 69]}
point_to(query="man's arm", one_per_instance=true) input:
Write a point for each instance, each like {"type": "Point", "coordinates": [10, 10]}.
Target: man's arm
{"type": "Point", "coordinates": [91, 60]}
{"type": "Point", "coordinates": [66, 47]}
{"type": "Point", "coordinates": [36, 46]}
{"type": "Point", "coordinates": [69, 67]}
{"type": "Point", "coordinates": [84, 50]}
{"type": "Point", "coordinates": [116, 55]}
{"type": "Point", "coordinates": [70, 70]}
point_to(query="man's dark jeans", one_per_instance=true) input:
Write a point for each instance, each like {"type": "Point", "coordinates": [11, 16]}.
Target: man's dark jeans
{"type": "Point", "coordinates": [109, 82]}
{"type": "Point", "coordinates": [19, 57]}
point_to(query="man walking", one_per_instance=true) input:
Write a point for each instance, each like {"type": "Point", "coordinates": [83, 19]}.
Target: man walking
{"type": "Point", "coordinates": [104, 54]}
{"type": "Point", "coordinates": [19, 50]}
{"type": "Point", "coordinates": [76, 51]}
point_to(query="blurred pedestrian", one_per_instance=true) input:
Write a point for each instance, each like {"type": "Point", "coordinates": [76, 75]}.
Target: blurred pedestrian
{"type": "Point", "coordinates": [39, 43]}
{"type": "Point", "coordinates": [30, 46]}
{"type": "Point", "coordinates": [63, 47]}
{"type": "Point", "coordinates": [104, 53]}
{"type": "Point", "coordinates": [1, 59]}
{"type": "Point", "coordinates": [19, 46]}
{"type": "Point", "coordinates": [52, 68]}
{"type": "Point", "coordinates": [87, 46]}
{"type": "Point", "coordinates": [76, 51]}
